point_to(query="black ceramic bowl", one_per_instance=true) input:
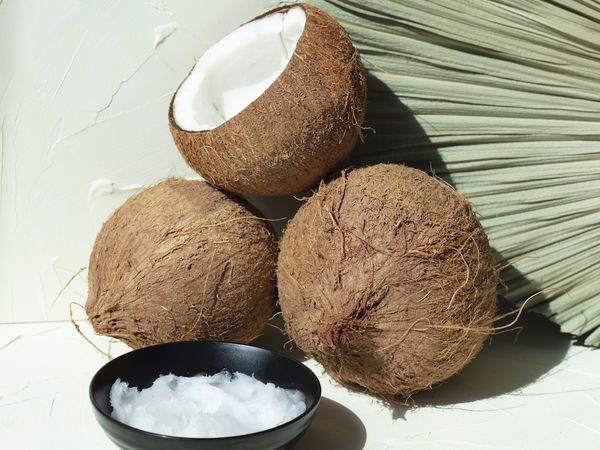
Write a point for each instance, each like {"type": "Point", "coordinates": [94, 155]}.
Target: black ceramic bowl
{"type": "Point", "coordinates": [141, 367]}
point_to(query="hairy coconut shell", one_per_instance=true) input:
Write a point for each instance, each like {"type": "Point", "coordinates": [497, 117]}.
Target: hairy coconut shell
{"type": "Point", "coordinates": [298, 130]}
{"type": "Point", "coordinates": [182, 261]}
{"type": "Point", "coordinates": [386, 277]}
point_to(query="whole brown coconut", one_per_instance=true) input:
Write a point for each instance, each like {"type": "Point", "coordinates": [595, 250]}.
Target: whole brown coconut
{"type": "Point", "coordinates": [298, 130]}
{"type": "Point", "coordinates": [182, 261]}
{"type": "Point", "coordinates": [386, 278]}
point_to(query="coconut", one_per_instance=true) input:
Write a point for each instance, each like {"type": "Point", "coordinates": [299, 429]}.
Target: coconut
{"type": "Point", "coordinates": [386, 278]}
{"type": "Point", "coordinates": [274, 106]}
{"type": "Point", "coordinates": [182, 260]}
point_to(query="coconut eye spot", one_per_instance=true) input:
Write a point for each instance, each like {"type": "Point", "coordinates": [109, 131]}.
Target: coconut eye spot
{"type": "Point", "coordinates": [237, 70]}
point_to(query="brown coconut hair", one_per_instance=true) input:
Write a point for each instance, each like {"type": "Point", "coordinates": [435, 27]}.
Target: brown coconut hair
{"type": "Point", "coordinates": [386, 277]}
{"type": "Point", "coordinates": [182, 260]}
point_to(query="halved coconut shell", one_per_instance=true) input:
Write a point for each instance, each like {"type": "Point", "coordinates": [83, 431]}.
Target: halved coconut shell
{"type": "Point", "coordinates": [298, 130]}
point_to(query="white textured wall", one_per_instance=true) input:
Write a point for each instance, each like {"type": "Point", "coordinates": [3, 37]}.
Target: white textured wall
{"type": "Point", "coordinates": [84, 91]}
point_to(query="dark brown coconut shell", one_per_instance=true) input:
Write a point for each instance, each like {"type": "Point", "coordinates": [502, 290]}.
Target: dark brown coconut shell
{"type": "Point", "coordinates": [386, 277]}
{"type": "Point", "coordinates": [298, 130]}
{"type": "Point", "coordinates": [182, 261]}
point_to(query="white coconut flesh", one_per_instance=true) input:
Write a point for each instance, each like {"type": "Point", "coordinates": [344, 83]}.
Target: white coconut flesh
{"type": "Point", "coordinates": [237, 70]}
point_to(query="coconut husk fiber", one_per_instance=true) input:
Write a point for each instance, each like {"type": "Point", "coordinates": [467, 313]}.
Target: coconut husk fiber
{"type": "Point", "coordinates": [179, 261]}
{"type": "Point", "coordinates": [298, 130]}
{"type": "Point", "coordinates": [501, 99]}
{"type": "Point", "coordinates": [385, 276]}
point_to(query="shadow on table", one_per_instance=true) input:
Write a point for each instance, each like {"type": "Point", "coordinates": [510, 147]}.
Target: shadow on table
{"type": "Point", "coordinates": [335, 428]}
{"type": "Point", "coordinates": [508, 362]}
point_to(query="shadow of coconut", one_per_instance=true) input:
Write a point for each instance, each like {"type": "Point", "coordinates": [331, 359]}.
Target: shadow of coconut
{"type": "Point", "coordinates": [521, 288]}
{"type": "Point", "coordinates": [507, 363]}
{"type": "Point", "coordinates": [392, 134]}
{"type": "Point", "coordinates": [335, 428]}
{"type": "Point", "coordinates": [274, 338]}
{"type": "Point", "coordinates": [278, 209]}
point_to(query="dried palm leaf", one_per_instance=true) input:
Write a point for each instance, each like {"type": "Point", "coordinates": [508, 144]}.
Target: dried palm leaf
{"type": "Point", "coordinates": [501, 98]}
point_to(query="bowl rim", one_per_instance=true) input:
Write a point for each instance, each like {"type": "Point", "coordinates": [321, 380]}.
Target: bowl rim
{"type": "Point", "coordinates": [152, 434]}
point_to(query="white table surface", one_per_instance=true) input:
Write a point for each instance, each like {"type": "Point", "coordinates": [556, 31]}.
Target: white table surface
{"type": "Point", "coordinates": [538, 392]}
